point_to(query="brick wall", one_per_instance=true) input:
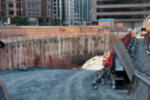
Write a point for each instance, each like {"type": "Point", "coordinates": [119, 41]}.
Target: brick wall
{"type": "Point", "coordinates": [45, 30]}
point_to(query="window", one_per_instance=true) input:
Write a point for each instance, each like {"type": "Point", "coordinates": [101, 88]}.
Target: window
{"type": "Point", "coordinates": [17, 5]}
{"type": "Point", "coordinates": [36, 5]}
{"type": "Point", "coordinates": [29, 12]}
{"type": "Point", "coordinates": [11, 12]}
{"type": "Point", "coordinates": [32, 12]}
{"type": "Point", "coordinates": [23, 12]}
{"type": "Point", "coordinates": [48, 5]}
{"type": "Point", "coordinates": [23, 5]}
{"type": "Point", "coordinates": [37, 12]}
{"type": "Point", "coordinates": [10, 5]}
{"type": "Point", "coordinates": [48, 13]}
{"type": "Point", "coordinates": [32, 5]}
{"type": "Point", "coordinates": [29, 5]}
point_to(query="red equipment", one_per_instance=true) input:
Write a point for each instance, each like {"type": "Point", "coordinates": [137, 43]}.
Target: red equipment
{"type": "Point", "coordinates": [107, 60]}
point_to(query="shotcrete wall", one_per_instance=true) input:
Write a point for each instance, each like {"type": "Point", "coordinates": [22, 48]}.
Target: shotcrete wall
{"type": "Point", "coordinates": [54, 51]}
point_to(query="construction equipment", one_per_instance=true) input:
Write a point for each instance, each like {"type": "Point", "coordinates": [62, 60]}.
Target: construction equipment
{"type": "Point", "coordinates": [107, 60]}
{"type": "Point", "coordinates": [99, 76]}
{"type": "Point", "coordinates": [107, 63]}
{"type": "Point", "coordinates": [116, 70]}
{"type": "Point", "coordinates": [118, 62]}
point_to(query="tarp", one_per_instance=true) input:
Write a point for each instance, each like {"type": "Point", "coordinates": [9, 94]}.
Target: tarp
{"type": "Point", "coordinates": [106, 20]}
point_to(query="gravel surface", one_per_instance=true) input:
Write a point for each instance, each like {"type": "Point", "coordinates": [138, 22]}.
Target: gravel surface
{"type": "Point", "coordinates": [143, 60]}
{"type": "Point", "coordinates": [56, 84]}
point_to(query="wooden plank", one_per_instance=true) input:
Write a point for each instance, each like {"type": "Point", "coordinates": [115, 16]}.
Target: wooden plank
{"type": "Point", "coordinates": [122, 54]}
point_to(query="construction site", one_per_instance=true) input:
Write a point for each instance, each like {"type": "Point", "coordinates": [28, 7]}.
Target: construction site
{"type": "Point", "coordinates": [74, 63]}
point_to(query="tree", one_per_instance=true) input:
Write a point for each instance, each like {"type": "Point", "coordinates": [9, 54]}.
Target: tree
{"type": "Point", "coordinates": [58, 23]}
{"type": "Point", "coordinates": [18, 20]}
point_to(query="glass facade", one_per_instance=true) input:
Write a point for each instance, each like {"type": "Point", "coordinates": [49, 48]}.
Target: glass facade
{"type": "Point", "coordinates": [82, 9]}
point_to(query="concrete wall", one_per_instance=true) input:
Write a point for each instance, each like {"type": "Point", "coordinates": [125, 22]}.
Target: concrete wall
{"type": "Point", "coordinates": [140, 87]}
{"type": "Point", "coordinates": [142, 91]}
{"type": "Point", "coordinates": [55, 50]}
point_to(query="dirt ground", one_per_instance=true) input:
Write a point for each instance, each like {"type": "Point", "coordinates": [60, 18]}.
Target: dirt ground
{"type": "Point", "coordinates": [56, 84]}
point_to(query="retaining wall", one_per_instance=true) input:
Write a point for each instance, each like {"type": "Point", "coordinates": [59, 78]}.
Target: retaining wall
{"type": "Point", "coordinates": [55, 50]}
{"type": "Point", "coordinates": [140, 87]}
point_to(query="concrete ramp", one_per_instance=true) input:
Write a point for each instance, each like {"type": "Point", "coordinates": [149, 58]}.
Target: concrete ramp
{"type": "Point", "coordinates": [123, 55]}
{"type": "Point", "coordinates": [3, 93]}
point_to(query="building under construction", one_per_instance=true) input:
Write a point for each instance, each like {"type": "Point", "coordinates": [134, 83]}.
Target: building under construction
{"type": "Point", "coordinates": [76, 63]}
{"type": "Point", "coordinates": [53, 63]}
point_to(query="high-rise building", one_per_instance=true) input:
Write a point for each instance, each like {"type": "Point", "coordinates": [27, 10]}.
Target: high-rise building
{"type": "Point", "coordinates": [70, 12]}
{"type": "Point", "coordinates": [83, 11]}
{"type": "Point", "coordinates": [56, 10]}
{"type": "Point", "coordinates": [78, 12]}
{"type": "Point", "coordinates": [120, 10]}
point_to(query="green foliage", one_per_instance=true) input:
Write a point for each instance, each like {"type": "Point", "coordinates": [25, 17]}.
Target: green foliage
{"type": "Point", "coordinates": [5, 20]}
{"type": "Point", "coordinates": [57, 23]}
{"type": "Point", "coordinates": [18, 20]}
